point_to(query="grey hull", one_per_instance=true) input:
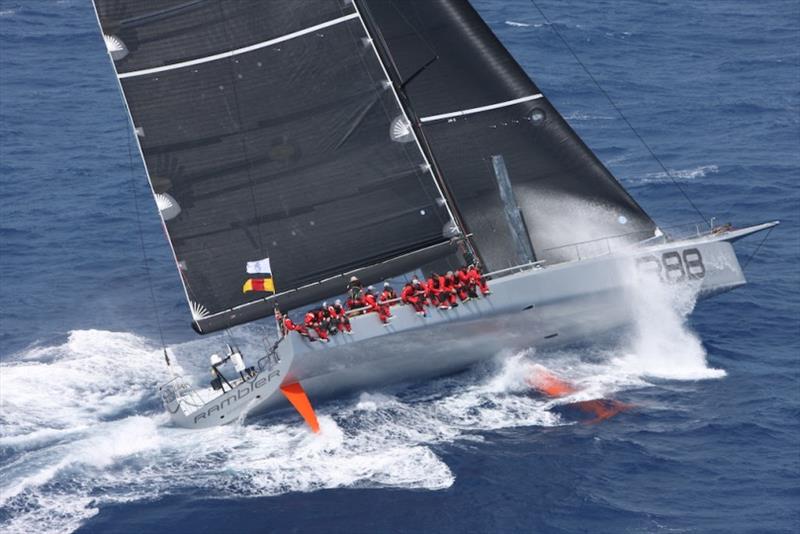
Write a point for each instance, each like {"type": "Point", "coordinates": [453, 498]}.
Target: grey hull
{"type": "Point", "coordinates": [538, 307]}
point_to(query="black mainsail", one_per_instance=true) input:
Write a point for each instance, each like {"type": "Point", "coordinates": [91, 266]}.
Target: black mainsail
{"type": "Point", "coordinates": [325, 138]}
{"type": "Point", "coordinates": [271, 131]}
{"type": "Point", "coordinates": [472, 101]}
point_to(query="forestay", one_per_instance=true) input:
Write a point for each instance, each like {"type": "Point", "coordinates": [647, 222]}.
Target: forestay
{"type": "Point", "coordinates": [270, 129]}
{"type": "Point", "coordinates": [473, 101]}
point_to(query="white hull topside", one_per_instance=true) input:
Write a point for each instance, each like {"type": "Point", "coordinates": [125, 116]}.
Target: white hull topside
{"type": "Point", "coordinates": [534, 308]}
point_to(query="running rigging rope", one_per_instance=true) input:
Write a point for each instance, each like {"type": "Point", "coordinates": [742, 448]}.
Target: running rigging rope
{"type": "Point", "coordinates": [753, 255]}
{"type": "Point", "coordinates": [619, 111]}
{"type": "Point", "coordinates": [144, 250]}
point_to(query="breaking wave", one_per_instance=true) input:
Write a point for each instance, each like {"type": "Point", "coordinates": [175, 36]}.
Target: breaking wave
{"type": "Point", "coordinates": [682, 174]}
{"type": "Point", "coordinates": [584, 116]}
{"type": "Point", "coordinates": [83, 427]}
{"type": "Point", "coordinates": [522, 24]}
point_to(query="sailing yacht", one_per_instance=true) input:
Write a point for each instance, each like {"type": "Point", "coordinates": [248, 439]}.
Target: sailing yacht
{"type": "Point", "coordinates": [292, 145]}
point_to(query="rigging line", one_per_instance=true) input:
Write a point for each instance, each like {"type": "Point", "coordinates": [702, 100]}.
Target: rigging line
{"type": "Point", "coordinates": [619, 111]}
{"type": "Point", "coordinates": [141, 242]}
{"type": "Point", "coordinates": [231, 340]}
{"type": "Point", "coordinates": [267, 337]}
{"type": "Point", "coordinates": [753, 255]}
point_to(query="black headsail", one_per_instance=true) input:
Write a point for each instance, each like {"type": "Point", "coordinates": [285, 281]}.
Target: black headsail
{"type": "Point", "coordinates": [276, 147]}
{"type": "Point", "coordinates": [471, 102]}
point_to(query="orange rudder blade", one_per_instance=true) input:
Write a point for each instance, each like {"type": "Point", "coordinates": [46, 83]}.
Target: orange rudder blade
{"type": "Point", "coordinates": [549, 384]}
{"type": "Point", "coordinates": [297, 396]}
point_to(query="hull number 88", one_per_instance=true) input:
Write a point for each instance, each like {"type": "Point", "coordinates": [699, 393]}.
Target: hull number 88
{"type": "Point", "coordinates": [674, 266]}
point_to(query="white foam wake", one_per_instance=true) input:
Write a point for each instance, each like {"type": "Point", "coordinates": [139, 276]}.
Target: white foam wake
{"type": "Point", "coordinates": [685, 175]}
{"type": "Point", "coordinates": [82, 426]}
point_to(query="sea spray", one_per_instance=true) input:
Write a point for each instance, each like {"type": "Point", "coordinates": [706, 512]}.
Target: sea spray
{"type": "Point", "coordinates": [661, 344]}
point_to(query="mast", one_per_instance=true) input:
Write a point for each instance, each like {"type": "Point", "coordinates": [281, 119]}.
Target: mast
{"type": "Point", "coordinates": [385, 57]}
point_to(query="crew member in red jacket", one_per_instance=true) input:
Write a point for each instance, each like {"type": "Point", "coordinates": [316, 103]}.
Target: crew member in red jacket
{"type": "Point", "coordinates": [467, 286]}
{"type": "Point", "coordinates": [381, 309]}
{"type": "Point", "coordinates": [449, 283]}
{"type": "Point", "coordinates": [325, 320]}
{"type": "Point", "coordinates": [339, 316]}
{"type": "Point", "coordinates": [289, 326]}
{"type": "Point", "coordinates": [388, 294]}
{"type": "Point", "coordinates": [312, 322]}
{"type": "Point", "coordinates": [434, 291]}
{"type": "Point", "coordinates": [355, 294]}
{"type": "Point", "coordinates": [414, 294]}
{"type": "Point", "coordinates": [441, 294]}
{"type": "Point", "coordinates": [420, 285]}
{"type": "Point", "coordinates": [477, 277]}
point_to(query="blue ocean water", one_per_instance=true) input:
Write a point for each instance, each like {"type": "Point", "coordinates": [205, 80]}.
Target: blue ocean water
{"type": "Point", "coordinates": [712, 443]}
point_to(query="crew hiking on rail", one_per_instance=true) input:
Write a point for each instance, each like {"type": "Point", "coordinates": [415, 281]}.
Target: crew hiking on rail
{"type": "Point", "coordinates": [441, 291]}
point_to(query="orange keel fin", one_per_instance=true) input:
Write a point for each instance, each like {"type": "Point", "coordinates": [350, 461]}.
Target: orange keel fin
{"type": "Point", "coordinates": [297, 396]}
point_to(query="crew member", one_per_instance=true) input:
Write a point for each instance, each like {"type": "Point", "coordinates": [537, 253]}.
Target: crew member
{"type": "Point", "coordinates": [466, 253]}
{"type": "Point", "coordinates": [727, 227]}
{"type": "Point", "coordinates": [381, 309]}
{"type": "Point", "coordinates": [477, 277]}
{"type": "Point", "coordinates": [339, 316]}
{"type": "Point", "coordinates": [439, 294]}
{"type": "Point", "coordinates": [279, 319]}
{"type": "Point", "coordinates": [433, 290]}
{"type": "Point", "coordinates": [468, 287]}
{"type": "Point", "coordinates": [449, 282]}
{"type": "Point", "coordinates": [290, 326]}
{"type": "Point", "coordinates": [325, 320]}
{"type": "Point", "coordinates": [218, 378]}
{"type": "Point", "coordinates": [355, 294]}
{"type": "Point", "coordinates": [388, 295]}
{"type": "Point", "coordinates": [414, 295]}
{"type": "Point", "coordinates": [312, 322]}
{"type": "Point", "coordinates": [237, 361]}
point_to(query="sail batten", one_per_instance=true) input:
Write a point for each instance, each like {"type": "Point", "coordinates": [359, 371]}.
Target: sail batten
{"type": "Point", "coordinates": [243, 50]}
{"type": "Point", "coordinates": [471, 111]}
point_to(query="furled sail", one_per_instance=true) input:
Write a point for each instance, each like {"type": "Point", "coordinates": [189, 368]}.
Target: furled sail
{"type": "Point", "coordinates": [471, 101]}
{"type": "Point", "coordinates": [274, 141]}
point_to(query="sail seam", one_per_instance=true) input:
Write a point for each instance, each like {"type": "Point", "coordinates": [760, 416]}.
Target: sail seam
{"type": "Point", "coordinates": [239, 51]}
{"type": "Point", "coordinates": [490, 107]}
